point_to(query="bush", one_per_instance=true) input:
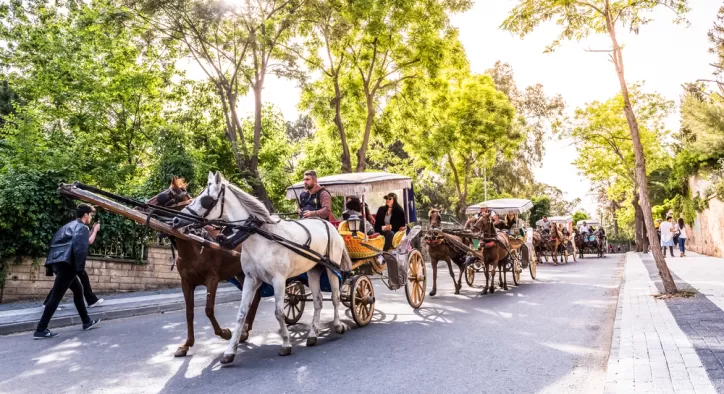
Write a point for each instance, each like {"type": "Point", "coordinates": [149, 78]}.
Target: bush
{"type": "Point", "coordinates": [31, 210]}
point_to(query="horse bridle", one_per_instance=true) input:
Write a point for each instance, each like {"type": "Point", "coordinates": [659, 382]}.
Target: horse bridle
{"type": "Point", "coordinates": [208, 203]}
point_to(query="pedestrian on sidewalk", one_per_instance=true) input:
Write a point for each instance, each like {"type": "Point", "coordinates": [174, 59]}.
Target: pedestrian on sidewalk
{"type": "Point", "coordinates": [66, 258]}
{"type": "Point", "coordinates": [667, 236]}
{"type": "Point", "coordinates": [682, 237]}
{"type": "Point", "coordinates": [90, 298]}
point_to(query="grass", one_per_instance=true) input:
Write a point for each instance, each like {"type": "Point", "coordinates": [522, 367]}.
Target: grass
{"type": "Point", "coordinates": [678, 294]}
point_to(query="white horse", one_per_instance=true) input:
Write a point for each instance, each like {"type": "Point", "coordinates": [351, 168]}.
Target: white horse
{"type": "Point", "coordinates": [268, 261]}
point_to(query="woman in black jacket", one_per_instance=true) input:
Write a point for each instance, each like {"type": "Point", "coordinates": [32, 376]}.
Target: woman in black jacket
{"type": "Point", "coordinates": [390, 219]}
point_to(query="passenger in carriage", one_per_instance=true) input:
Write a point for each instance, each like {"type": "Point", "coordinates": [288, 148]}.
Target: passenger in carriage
{"type": "Point", "coordinates": [354, 207]}
{"type": "Point", "coordinates": [546, 225]}
{"type": "Point", "coordinates": [390, 218]}
{"type": "Point", "coordinates": [358, 203]}
{"type": "Point", "coordinates": [508, 223]}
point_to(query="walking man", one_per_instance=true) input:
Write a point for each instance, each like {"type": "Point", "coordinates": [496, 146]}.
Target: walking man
{"type": "Point", "coordinates": [66, 258]}
{"type": "Point", "coordinates": [90, 298]}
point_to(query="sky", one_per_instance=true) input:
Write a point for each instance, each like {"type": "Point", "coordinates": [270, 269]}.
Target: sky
{"type": "Point", "coordinates": [663, 55]}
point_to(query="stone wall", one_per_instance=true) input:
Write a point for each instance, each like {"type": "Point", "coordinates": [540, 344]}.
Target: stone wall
{"type": "Point", "coordinates": [27, 280]}
{"type": "Point", "coordinates": [706, 236]}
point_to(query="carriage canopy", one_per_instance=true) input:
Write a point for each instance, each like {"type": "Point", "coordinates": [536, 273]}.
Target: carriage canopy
{"type": "Point", "coordinates": [590, 222]}
{"type": "Point", "coordinates": [370, 185]}
{"type": "Point", "coordinates": [556, 219]}
{"type": "Point", "coordinates": [357, 184]}
{"type": "Point", "coordinates": [518, 205]}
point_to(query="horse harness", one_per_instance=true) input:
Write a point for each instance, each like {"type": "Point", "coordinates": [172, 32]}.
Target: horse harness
{"type": "Point", "coordinates": [235, 234]}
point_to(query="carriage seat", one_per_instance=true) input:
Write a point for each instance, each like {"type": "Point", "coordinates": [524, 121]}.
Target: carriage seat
{"type": "Point", "coordinates": [343, 229]}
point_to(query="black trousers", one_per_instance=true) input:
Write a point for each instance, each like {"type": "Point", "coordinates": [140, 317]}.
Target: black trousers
{"type": "Point", "coordinates": [389, 236]}
{"type": "Point", "coordinates": [671, 250]}
{"type": "Point", "coordinates": [90, 297]}
{"type": "Point", "coordinates": [65, 278]}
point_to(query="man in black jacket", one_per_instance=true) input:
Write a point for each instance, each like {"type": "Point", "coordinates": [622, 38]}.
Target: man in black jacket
{"type": "Point", "coordinates": [67, 255]}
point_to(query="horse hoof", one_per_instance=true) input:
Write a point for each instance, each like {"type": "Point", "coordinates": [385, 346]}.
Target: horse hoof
{"type": "Point", "coordinates": [311, 341]}
{"type": "Point", "coordinates": [181, 352]}
{"type": "Point", "coordinates": [432, 293]}
{"type": "Point", "coordinates": [244, 336]}
{"type": "Point", "coordinates": [227, 359]}
{"type": "Point", "coordinates": [225, 334]}
{"type": "Point", "coordinates": [340, 329]}
{"type": "Point", "coordinates": [285, 351]}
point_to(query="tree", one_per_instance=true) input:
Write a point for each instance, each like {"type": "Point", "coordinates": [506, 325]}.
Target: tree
{"type": "Point", "coordinates": [541, 207]}
{"type": "Point", "coordinates": [580, 216]}
{"type": "Point", "coordinates": [605, 148]}
{"type": "Point", "coordinates": [580, 19]}
{"type": "Point", "coordinates": [466, 119]}
{"type": "Point", "coordinates": [537, 112]}
{"type": "Point", "coordinates": [234, 46]}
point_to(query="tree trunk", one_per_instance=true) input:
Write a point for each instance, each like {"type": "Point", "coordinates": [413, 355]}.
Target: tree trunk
{"type": "Point", "coordinates": [257, 186]}
{"type": "Point", "coordinates": [362, 151]}
{"type": "Point", "coordinates": [346, 156]}
{"type": "Point", "coordinates": [639, 232]}
{"type": "Point", "coordinates": [641, 178]}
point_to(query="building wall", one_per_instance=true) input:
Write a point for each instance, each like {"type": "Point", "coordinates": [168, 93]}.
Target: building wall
{"type": "Point", "coordinates": [27, 280]}
{"type": "Point", "coordinates": [707, 233]}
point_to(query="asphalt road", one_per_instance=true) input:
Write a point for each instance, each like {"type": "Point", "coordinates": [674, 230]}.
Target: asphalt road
{"type": "Point", "coordinates": [549, 335]}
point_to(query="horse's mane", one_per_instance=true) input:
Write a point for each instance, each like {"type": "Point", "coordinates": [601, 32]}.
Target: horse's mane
{"type": "Point", "coordinates": [254, 206]}
{"type": "Point", "coordinates": [178, 183]}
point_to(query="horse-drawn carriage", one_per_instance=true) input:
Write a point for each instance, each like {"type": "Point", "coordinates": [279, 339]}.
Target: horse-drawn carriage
{"type": "Point", "coordinates": [520, 240]}
{"type": "Point", "coordinates": [593, 242]}
{"type": "Point", "coordinates": [402, 267]}
{"type": "Point", "coordinates": [567, 245]}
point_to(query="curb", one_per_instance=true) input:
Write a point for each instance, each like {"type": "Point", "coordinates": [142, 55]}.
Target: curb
{"type": "Point", "coordinates": [117, 312]}
{"type": "Point", "coordinates": [613, 354]}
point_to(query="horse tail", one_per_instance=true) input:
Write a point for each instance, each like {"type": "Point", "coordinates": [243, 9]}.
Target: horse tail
{"type": "Point", "coordinates": [346, 263]}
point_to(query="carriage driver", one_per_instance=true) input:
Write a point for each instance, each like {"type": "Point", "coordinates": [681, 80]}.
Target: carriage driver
{"type": "Point", "coordinates": [315, 201]}
{"type": "Point", "coordinates": [584, 229]}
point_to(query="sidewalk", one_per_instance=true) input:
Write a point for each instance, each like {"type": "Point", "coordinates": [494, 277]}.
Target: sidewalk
{"type": "Point", "coordinates": [24, 316]}
{"type": "Point", "coordinates": [671, 346]}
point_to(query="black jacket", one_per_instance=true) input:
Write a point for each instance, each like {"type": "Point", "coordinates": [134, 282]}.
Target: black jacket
{"type": "Point", "coordinates": [70, 246]}
{"type": "Point", "coordinates": [397, 220]}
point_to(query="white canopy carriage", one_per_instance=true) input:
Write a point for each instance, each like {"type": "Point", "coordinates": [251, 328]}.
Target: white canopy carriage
{"type": "Point", "coordinates": [501, 207]}
{"type": "Point", "coordinates": [371, 187]}
{"type": "Point", "coordinates": [368, 257]}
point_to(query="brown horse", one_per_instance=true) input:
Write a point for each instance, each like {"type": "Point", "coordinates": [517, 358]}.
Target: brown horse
{"type": "Point", "coordinates": [202, 267]}
{"type": "Point", "coordinates": [551, 244]}
{"type": "Point", "coordinates": [442, 250]}
{"type": "Point", "coordinates": [495, 252]}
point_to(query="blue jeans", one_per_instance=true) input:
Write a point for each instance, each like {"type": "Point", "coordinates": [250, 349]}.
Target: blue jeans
{"type": "Point", "coordinates": [682, 245]}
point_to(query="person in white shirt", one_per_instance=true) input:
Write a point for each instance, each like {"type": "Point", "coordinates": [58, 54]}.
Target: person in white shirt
{"type": "Point", "coordinates": [584, 229]}
{"type": "Point", "coordinates": [667, 236]}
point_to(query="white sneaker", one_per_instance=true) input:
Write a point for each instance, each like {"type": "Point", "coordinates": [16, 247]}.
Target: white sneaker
{"type": "Point", "coordinates": [97, 303]}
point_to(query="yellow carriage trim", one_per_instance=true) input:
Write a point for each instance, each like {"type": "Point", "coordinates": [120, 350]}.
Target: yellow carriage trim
{"type": "Point", "coordinates": [397, 240]}
{"type": "Point", "coordinates": [356, 244]}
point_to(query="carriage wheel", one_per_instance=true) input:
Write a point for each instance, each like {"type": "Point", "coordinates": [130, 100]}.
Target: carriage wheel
{"type": "Point", "coordinates": [533, 268]}
{"type": "Point", "coordinates": [470, 274]}
{"type": "Point", "coordinates": [516, 270]}
{"type": "Point", "coordinates": [416, 279]}
{"type": "Point", "coordinates": [363, 300]}
{"type": "Point", "coordinates": [294, 301]}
